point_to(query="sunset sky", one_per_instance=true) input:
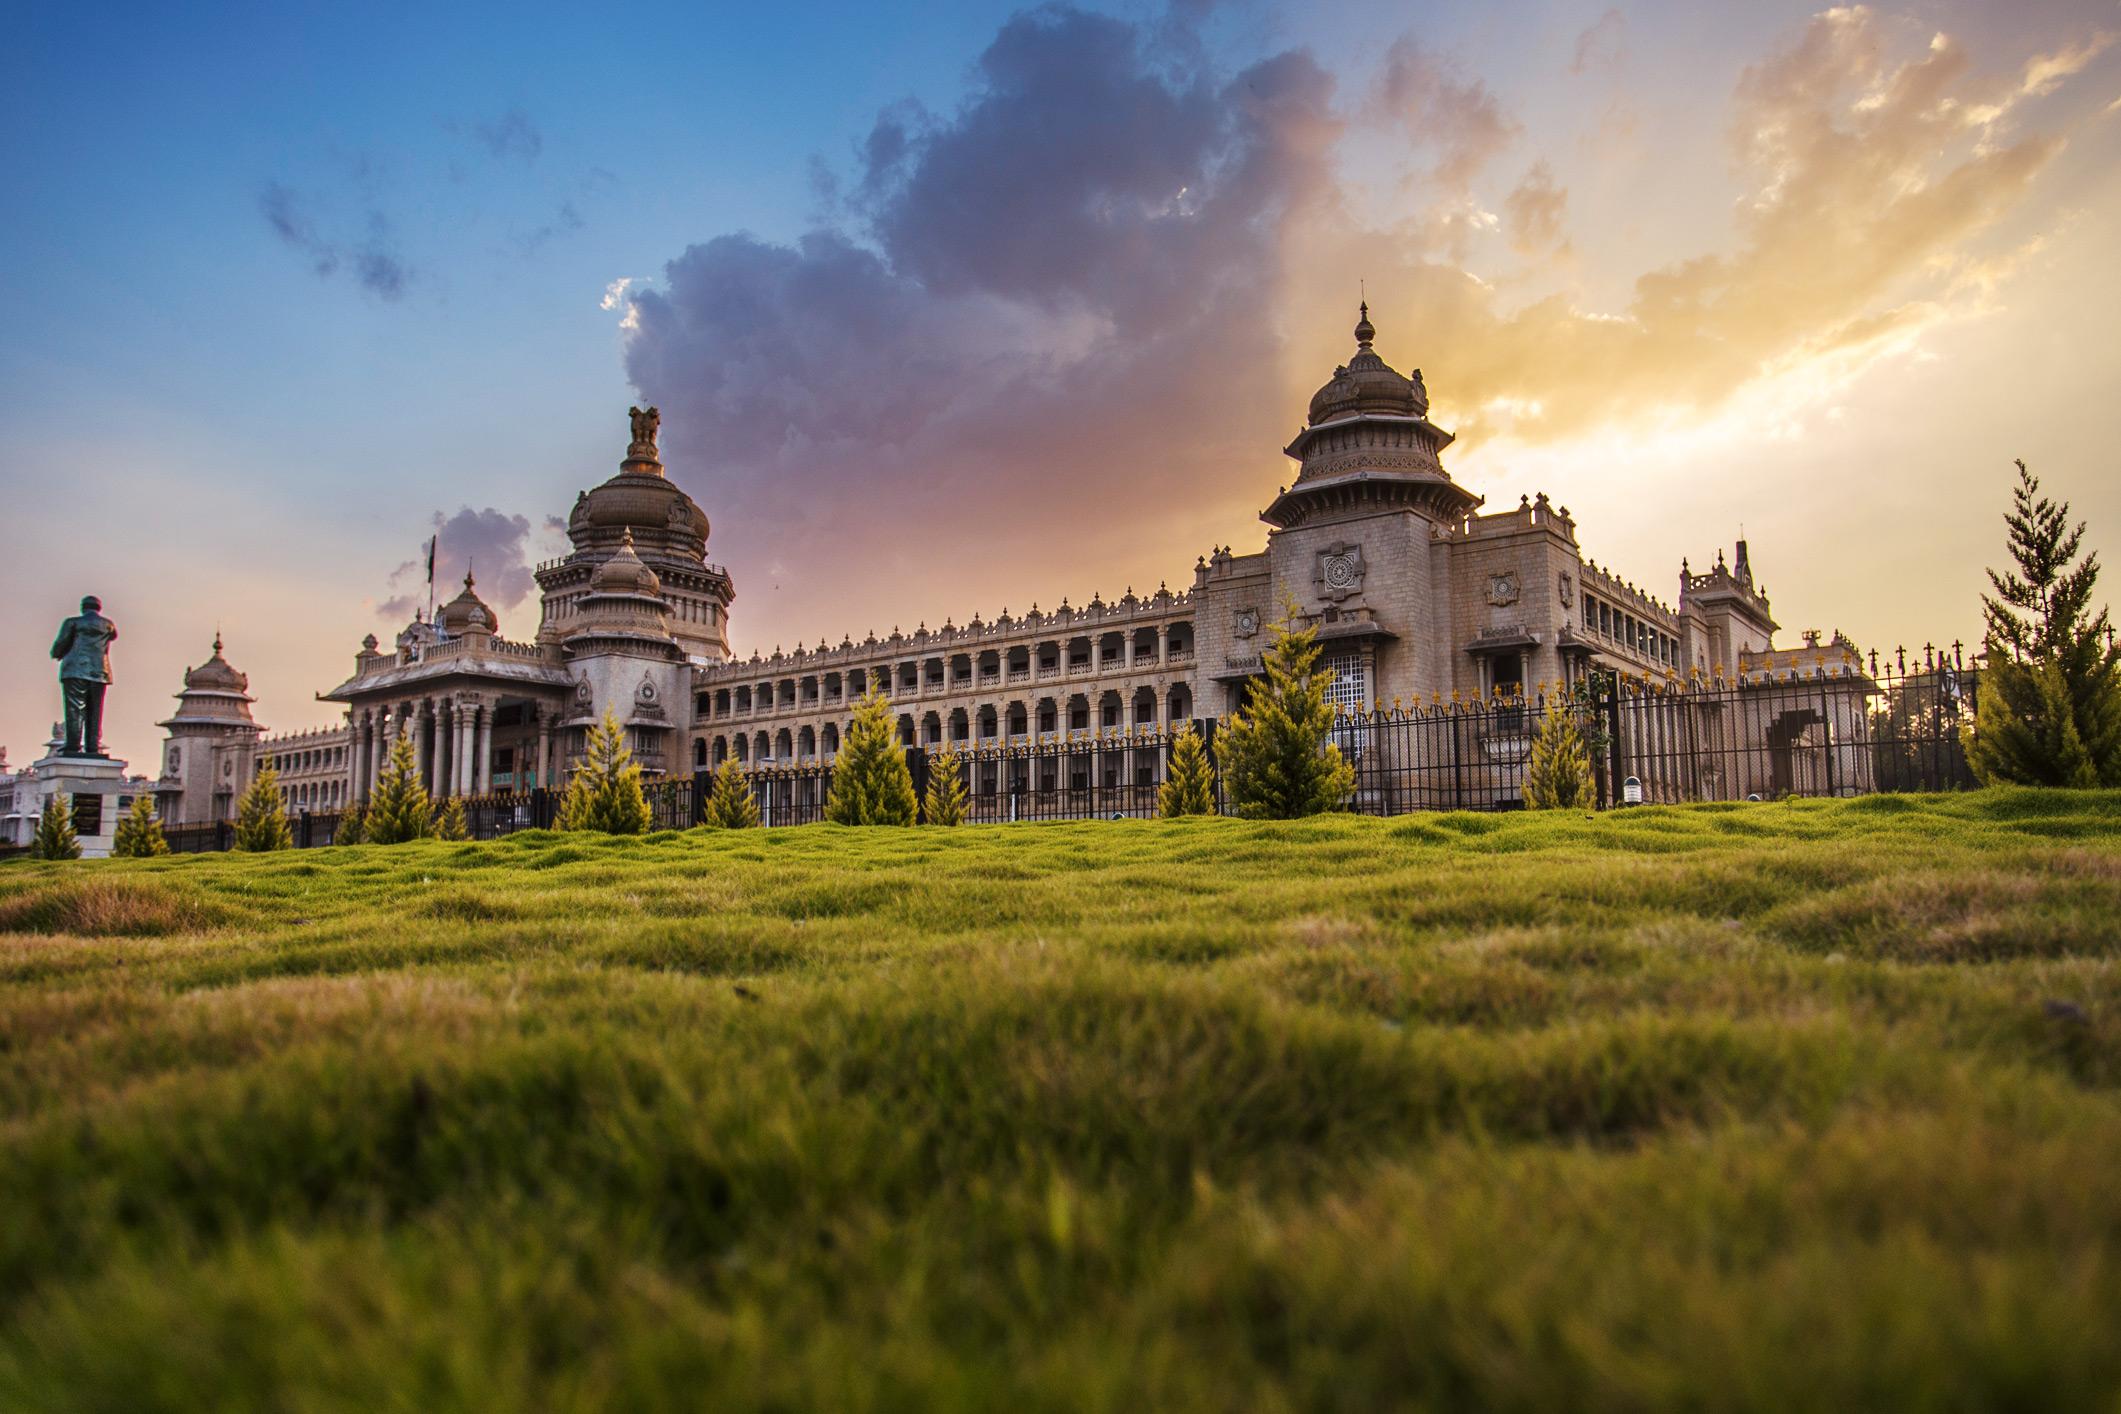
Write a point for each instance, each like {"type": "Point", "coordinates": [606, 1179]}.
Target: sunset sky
{"type": "Point", "coordinates": [957, 307]}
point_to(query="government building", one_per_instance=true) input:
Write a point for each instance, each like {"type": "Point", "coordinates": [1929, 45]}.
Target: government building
{"type": "Point", "coordinates": [1421, 597]}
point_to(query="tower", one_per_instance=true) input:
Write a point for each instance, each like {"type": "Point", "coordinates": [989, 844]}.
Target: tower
{"type": "Point", "coordinates": [212, 739]}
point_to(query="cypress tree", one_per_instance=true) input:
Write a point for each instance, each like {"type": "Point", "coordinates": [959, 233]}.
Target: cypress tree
{"type": "Point", "coordinates": [140, 833]}
{"type": "Point", "coordinates": [450, 823]}
{"type": "Point", "coordinates": [945, 804]}
{"type": "Point", "coordinates": [1558, 775]}
{"type": "Point", "coordinates": [870, 782]}
{"type": "Point", "coordinates": [353, 825]}
{"type": "Point", "coordinates": [731, 805]}
{"type": "Point", "coordinates": [605, 792]}
{"type": "Point", "coordinates": [1279, 760]}
{"type": "Point", "coordinates": [1189, 788]}
{"type": "Point", "coordinates": [55, 837]}
{"type": "Point", "coordinates": [261, 822]}
{"type": "Point", "coordinates": [398, 811]}
{"type": "Point", "coordinates": [2049, 709]}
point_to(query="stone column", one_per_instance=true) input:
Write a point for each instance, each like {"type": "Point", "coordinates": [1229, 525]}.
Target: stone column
{"type": "Point", "coordinates": [483, 766]}
{"type": "Point", "coordinates": [445, 755]}
{"type": "Point", "coordinates": [544, 760]}
{"type": "Point", "coordinates": [356, 754]}
{"type": "Point", "coordinates": [421, 756]}
{"type": "Point", "coordinates": [467, 723]}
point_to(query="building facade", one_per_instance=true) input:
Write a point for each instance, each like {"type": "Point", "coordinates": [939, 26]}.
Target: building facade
{"type": "Point", "coordinates": [1419, 595]}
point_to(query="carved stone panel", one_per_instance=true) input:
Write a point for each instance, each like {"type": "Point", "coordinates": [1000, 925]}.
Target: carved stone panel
{"type": "Point", "coordinates": [1503, 587]}
{"type": "Point", "coordinates": [1340, 571]}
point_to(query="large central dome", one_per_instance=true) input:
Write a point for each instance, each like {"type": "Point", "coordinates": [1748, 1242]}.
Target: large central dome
{"type": "Point", "coordinates": [665, 523]}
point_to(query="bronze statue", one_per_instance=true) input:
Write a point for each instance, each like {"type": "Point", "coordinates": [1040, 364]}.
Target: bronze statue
{"type": "Point", "coordinates": [83, 651]}
{"type": "Point", "coordinates": [645, 425]}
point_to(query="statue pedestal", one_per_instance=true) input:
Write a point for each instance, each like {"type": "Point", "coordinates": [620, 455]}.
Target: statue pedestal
{"type": "Point", "coordinates": [101, 795]}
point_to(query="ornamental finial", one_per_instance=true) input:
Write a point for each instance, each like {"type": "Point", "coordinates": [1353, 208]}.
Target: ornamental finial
{"type": "Point", "coordinates": [1364, 330]}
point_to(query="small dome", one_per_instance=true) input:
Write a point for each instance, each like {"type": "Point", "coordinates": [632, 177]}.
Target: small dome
{"type": "Point", "coordinates": [467, 613]}
{"type": "Point", "coordinates": [1367, 384]}
{"type": "Point", "coordinates": [216, 674]}
{"type": "Point", "coordinates": [624, 573]}
{"type": "Point", "coordinates": [214, 695]}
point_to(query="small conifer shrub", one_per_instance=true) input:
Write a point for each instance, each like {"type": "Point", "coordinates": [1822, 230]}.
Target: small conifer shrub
{"type": "Point", "coordinates": [140, 833]}
{"type": "Point", "coordinates": [2049, 705]}
{"type": "Point", "coordinates": [1558, 774]}
{"type": "Point", "coordinates": [261, 821]}
{"type": "Point", "coordinates": [605, 792]}
{"type": "Point", "coordinates": [450, 823]}
{"type": "Point", "coordinates": [1279, 759]}
{"type": "Point", "coordinates": [731, 804]}
{"type": "Point", "coordinates": [353, 825]}
{"type": "Point", "coordinates": [945, 804]}
{"type": "Point", "coordinates": [55, 837]}
{"type": "Point", "coordinates": [399, 810]}
{"type": "Point", "coordinates": [1189, 786]}
{"type": "Point", "coordinates": [870, 782]}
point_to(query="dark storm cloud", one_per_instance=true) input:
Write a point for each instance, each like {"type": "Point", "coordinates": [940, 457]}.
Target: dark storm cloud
{"type": "Point", "coordinates": [1081, 258]}
{"type": "Point", "coordinates": [491, 544]}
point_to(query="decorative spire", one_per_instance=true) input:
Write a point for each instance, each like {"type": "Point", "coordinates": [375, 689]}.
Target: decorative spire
{"type": "Point", "coordinates": [1364, 330]}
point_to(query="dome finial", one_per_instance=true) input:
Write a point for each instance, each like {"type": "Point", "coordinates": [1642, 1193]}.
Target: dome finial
{"type": "Point", "coordinates": [1364, 330]}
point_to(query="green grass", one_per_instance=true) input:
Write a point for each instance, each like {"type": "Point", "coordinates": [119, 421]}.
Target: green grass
{"type": "Point", "coordinates": [1813, 1105]}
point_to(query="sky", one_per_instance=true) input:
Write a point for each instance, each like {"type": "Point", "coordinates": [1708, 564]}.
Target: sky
{"type": "Point", "coordinates": [961, 307]}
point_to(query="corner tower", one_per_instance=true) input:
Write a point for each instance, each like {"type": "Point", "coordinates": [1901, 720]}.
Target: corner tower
{"type": "Point", "coordinates": [1360, 538]}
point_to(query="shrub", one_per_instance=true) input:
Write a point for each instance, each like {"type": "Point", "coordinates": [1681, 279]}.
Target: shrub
{"type": "Point", "coordinates": [353, 825]}
{"type": "Point", "coordinates": [2049, 710]}
{"type": "Point", "coordinates": [1278, 756]}
{"type": "Point", "coordinates": [870, 782]}
{"type": "Point", "coordinates": [261, 822]}
{"type": "Point", "coordinates": [55, 837]}
{"type": "Point", "coordinates": [450, 823]}
{"type": "Point", "coordinates": [731, 805]}
{"type": "Point", "coordinates": [140, 833]}
{"type": "Point", "coordinates": [1558, 775]}
{"type": "Point", "coordinates": [1189, 788]}
{"type": "Point", "coordinates": [605, 791]}
{"type": "Point", "coordinates": [946, 790]}
{"type": "Point", "coordinates": [399, 810]}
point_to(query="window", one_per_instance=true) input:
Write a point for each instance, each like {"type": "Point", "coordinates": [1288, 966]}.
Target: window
{"type": "Point", "coordinates": [1350, 687]}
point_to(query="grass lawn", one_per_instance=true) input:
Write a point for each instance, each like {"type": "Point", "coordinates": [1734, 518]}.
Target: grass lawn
{"type": "Point", "coordinates": [1811, 1105]}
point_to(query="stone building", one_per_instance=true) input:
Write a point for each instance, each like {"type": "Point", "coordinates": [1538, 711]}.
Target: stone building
{"type": "Point", "coordinates": [1419, 595]}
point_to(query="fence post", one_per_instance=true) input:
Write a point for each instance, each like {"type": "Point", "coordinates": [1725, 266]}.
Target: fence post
{"type": "Point", "coordinates": [1614, 755]}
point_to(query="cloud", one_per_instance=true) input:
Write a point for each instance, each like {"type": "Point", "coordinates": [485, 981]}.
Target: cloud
{"type": "Point", "coordinates": [491, 544]}
{"type": "Point", "coordinates": [1866, 176]}
{"type": "Point", "coordinates": [375, 261]}
{"type": "Point", "coordinates": [1072, 271]}
{"type": "Point", "coordinates": [1602, 44]}
{"type": "Point", "coordinates": [510, 135]}
{"type": "Point", "coordinates": [286, 213]}
{"type": "Point", "coordinates": [1458, 119]}
{"type": "Point", "coordinates": [1034, 333]}
{"type": "Point", "coordinates": [1535, 210]}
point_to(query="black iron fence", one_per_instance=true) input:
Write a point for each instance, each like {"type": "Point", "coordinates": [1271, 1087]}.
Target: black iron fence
{"type": "Point", "coordinates": [1808, 728]}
